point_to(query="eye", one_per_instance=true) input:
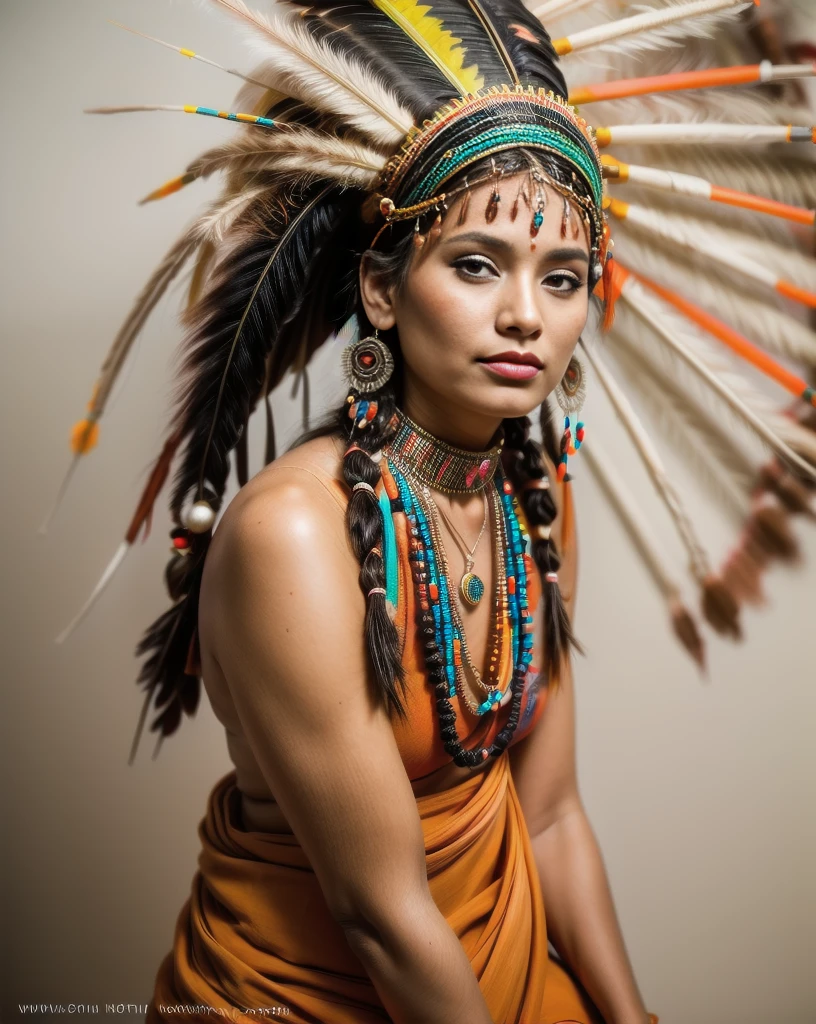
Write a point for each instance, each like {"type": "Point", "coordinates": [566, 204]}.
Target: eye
{"type": "Point", "coordinates": [562, 278]}
{"type": "Point", "coordinates": [470, 266]}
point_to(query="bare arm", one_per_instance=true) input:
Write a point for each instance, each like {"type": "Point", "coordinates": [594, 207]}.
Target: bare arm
{"type": "Point", "coordinates": [287, 621]}
{"type": "Point", "coordinates": [581, 920]}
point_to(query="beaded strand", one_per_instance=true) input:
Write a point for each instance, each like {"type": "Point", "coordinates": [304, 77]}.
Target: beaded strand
{"type": "Point", "coordinates": [500, 626]}
{"type": "Point", "coordinates": [435, 624]}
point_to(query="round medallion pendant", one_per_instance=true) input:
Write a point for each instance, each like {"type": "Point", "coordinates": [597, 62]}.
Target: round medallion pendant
{"type": "Point", "coordinates": [471, 588]}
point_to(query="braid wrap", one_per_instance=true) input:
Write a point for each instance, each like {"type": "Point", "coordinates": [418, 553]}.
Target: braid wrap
{"type": "Point", "coordinates": [523, 461]}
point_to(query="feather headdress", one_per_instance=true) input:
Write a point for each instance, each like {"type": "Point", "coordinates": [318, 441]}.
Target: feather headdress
{"type": "Point", "coordinates": [703, 168]}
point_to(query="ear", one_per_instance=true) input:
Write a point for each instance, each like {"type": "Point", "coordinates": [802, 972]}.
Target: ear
{"type": "Point", "coordinates": [377, 297]}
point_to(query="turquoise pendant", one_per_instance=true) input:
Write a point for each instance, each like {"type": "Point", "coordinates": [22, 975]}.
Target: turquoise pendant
{"type": "Point", "coordinates": [471, 588]}
{"type": "Point", "coordinates": [491, 703]}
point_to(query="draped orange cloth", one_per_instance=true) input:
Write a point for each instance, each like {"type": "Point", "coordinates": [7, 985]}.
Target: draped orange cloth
{"type": "Point", "coordinates": [256, 933]}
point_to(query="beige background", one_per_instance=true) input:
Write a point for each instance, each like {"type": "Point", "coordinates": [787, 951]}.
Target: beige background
{"type": "Point", "coordinates": [701, 794]}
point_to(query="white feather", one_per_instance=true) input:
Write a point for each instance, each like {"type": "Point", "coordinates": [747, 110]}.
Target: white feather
{"type": "Point", "coordinates": [698, 559]}
{"type": "Point", "coordinates": [733, 388]}
{"type": "Point", "coordinates": [693, 436]}
{"type": "Point", "coordinates": [759, 320]}
{"type": "Point", "coordinates": [602, 466]}
{"type": "Point", "coordinates": [294, 148]}
{"type": "Point", "coordinates": [787, 176]}
{"type": "Point", "coordinates": [743, 106]}
{"type": "Point", "coordinates": [554, 9]}
{"type": "Point", "coordinates": [706, 133]}
{"type": "Point", "coordinates": [303, 67]}
{"type": "Point", "coordinates": [658, 28]}
{"type": "Point", "coordinates": [762, 260]}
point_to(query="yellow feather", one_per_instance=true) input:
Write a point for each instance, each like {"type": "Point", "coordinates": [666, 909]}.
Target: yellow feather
{"type": "Point", "coordinates": [437, 42]}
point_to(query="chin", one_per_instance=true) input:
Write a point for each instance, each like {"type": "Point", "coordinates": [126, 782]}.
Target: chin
{"type": "Point", "coordinates": [508, 402]}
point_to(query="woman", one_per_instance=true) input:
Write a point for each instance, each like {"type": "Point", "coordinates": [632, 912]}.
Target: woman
{"type": "Point", "coordinates": [382, 617]}
{"type": "Point", "coordinates": [324, 761]}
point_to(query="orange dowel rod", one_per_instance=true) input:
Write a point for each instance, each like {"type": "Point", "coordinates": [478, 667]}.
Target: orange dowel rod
{"type": "Point", "coordinates": [793, 291]}
{"type": "Point", "coordinates": [737, 75]}
{"type": "Point", "coordinates": [734, 340]}
{"type": "Point", "coordinates": [750, 202]}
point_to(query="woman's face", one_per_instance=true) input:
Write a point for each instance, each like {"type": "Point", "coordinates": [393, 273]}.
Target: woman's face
{"type": "Point", "coordinates": [480, 290]}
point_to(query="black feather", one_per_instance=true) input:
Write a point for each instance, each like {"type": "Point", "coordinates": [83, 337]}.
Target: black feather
{"type": "Point", "coordinates": [257, 291]}
{"type": "Point", "coordinates": [502, 37]}
{"type": "Point", "coordinates": [526, 42]}
{"type": "Point", "coordinates": [362, 31]}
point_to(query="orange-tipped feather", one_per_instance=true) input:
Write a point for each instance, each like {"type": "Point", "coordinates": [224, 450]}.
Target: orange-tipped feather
{"type": "Point", "coordinates": [84, 436]}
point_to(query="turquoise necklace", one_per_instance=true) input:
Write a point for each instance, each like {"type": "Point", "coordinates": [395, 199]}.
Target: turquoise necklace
{"type": "Point", "coordinates": [437, 622]}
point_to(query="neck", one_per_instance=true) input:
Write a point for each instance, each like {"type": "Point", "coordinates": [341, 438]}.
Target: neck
{"type": "Point", "coordinates": [451, 425]}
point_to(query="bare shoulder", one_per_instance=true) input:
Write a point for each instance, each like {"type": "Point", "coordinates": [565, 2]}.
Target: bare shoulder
{"type": "Point", "coordinates": [278, 500]}
{"type": "Point", "coordinates": [286, 525]}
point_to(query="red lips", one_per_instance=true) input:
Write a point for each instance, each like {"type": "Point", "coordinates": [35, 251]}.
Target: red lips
{"type": "Point", "coordinates": [514, 357]}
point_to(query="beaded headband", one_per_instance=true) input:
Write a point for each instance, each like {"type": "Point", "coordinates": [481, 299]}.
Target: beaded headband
{"type": "Point", "coordinates": [469, 129]}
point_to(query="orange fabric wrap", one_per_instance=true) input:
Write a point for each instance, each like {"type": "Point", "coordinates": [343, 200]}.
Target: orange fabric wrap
{"type": "Point", "coordinates": [256, 932]}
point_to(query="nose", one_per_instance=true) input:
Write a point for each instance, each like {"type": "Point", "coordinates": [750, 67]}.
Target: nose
{"type": "Point", "coordinates": [519, 314]}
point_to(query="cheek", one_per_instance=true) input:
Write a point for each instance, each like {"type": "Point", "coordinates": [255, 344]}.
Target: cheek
{"type": "Point", "coordinates": [437, 318]}
{"type": "Point", "coordinates": [565, 319]}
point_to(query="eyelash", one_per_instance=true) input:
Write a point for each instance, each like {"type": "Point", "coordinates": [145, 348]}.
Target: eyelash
{"type": "Point", "coordinates": [576, 282]}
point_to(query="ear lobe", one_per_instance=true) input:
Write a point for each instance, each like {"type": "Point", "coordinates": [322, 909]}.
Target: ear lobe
{"type": "Point", "coordinates": [377, 296]}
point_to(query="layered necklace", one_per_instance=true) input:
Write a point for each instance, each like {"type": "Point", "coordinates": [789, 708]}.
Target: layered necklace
{"type": "Point", "coordinates": [419, 462]}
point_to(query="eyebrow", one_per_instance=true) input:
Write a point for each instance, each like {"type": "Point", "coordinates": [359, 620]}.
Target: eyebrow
{"type": "Point", "coordinates": [501, 245]}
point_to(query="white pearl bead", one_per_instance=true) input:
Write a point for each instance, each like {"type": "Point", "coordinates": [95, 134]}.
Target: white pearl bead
{"type": "Point", "coordinates": [200, 518]}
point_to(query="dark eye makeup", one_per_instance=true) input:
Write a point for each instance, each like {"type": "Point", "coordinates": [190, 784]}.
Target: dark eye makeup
{"type": "Point", "coordinates": [469, 267]}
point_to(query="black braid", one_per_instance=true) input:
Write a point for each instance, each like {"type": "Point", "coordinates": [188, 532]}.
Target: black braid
{"type": "Point", "coordinates": [364, 521]}
{"type": "Point", "coordinates": [523, 462]}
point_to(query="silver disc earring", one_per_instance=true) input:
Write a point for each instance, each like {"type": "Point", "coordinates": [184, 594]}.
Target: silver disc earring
{"type": "Point", "coordinates": [367, 363]}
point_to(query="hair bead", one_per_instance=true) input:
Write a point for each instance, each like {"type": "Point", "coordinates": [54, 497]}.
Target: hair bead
{"type": "Point", "coordinates": [362, 485]}
{"type": "Point", "coordinates": [200, 517]}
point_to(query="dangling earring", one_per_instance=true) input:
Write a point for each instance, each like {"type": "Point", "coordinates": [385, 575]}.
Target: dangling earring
{"type": "Point", "coordinates": [538, 208]}
{"type": "Point", "coordinates": [367, 364]}
{"type": "Point", "coordinates": [570, 394]}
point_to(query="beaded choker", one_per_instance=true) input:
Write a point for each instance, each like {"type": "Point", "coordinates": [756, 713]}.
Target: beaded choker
{"type": "Point", "coordinates": [438, 464]}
